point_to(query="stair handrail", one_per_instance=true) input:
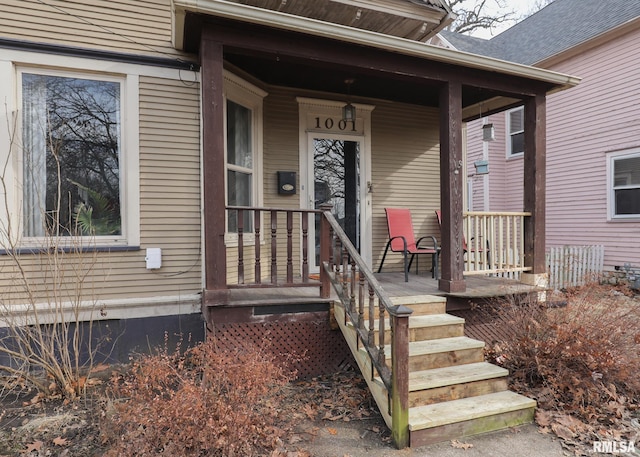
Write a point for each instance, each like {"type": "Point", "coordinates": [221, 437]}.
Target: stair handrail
{"type": "Point", "coordinates": [335, 242]}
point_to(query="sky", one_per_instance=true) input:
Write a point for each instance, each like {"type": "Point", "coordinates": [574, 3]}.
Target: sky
{"type": "Point", "coordinates": [521, 7]}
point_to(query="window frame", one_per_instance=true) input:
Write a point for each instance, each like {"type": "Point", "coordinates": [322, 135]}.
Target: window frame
{"type": "Point", "coordinates": [509, 134]}
{"type": "Point", "coordinates": [128, 162]}
{"type": "Point", "coordinates": [612, 157]}
{"type": "Point", "coordinates": [251, 97]}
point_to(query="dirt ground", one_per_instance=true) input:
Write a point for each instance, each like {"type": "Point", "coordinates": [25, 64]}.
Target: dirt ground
{"type": "Point", "coordinates": [332, 416]}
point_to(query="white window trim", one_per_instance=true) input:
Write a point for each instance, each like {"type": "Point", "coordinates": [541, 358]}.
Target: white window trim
{"type": "Point", "coordinates": [611, 158]}
{"type": "Point", "coordinates": [10, 154]}
{"type": "Point", "coordinates": [511, 155]}
{"type": "Point", "coordinates": [246, 94]}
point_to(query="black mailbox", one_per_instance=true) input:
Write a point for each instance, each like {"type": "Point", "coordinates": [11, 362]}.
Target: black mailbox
{"type": "Point", "coordinates": [287, 182]}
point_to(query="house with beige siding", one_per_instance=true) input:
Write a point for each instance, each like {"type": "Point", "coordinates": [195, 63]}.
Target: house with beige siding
{"type": "Point", "coordinates": [593, 149]}
{"type": "Point", "coordinates": [174, 164]}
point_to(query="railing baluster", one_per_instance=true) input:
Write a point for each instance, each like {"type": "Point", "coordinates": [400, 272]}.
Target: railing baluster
{"type": "Point", "coordinates": [289, 247]}
{"type": "Point", "coordinates": [381, 337]}
{"type": "Point", "coordinates": [352, 288]}
{"type": "Point", "coordinates": [240, 225]}
{"type": "Point", "coordinates": [274, 247]}
{"type": "Point", "coordinates": [361, 301]}
{"type": "Point", "coordinates": [258, 267]}
{"type": "Point", "coordinates": [304, 222]}
{"type": "Point", "coordinates": [371, 337]}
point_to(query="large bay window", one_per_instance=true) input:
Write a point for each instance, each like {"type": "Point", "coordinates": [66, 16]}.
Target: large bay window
{"type": "Point", "coordinates": [624, 184]}
{"type": "Point", "coordinates": [77, 166]}
{"type": "Point", "coordinates": [71, 156]}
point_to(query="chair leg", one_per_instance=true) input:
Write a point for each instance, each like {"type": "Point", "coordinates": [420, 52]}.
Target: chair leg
{"type": "Point", "coordinates": [384, 256]}
{"type": "Point", "coordinates": [406, 268]}
{"type": "Point", "coordinates": [434, 265]}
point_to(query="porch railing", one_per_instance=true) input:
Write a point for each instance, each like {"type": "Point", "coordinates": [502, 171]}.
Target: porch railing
{"type": "Point", "coordinates": [494, 243]}
{"type": "Point", "coordinates": [272, 246]}
{"type": "Point", "coordinates": [364, 301]}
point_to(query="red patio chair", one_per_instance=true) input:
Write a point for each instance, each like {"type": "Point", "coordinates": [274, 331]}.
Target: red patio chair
{"type": "Point", "coordinates": [402, 239]}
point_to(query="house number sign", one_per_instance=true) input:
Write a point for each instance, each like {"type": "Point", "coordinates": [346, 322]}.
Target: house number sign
{"type": "Point", "coordinates": [334, 125]}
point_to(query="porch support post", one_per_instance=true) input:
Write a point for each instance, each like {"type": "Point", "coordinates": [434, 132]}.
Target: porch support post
{"type": "Point", "coordinates": [451, 176]}
{"type": "Point", "coordinates": [213, 164]}
{"type": "Point", "coordinates": [535, 188]}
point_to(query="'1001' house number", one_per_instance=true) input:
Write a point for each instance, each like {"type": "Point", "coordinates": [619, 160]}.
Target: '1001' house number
{"type": "Point", "coordinates": [329, 124]}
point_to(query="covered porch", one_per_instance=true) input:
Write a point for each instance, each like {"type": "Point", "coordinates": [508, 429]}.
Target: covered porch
{"type": "Point", "coordinates": [332, 84]}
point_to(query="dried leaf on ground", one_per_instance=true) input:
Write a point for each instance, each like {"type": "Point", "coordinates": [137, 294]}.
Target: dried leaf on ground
{"type": "Point", "coordinates": [35, 446]}
{"type": "Point", "coordinates": [60, 441]}
{"type": "Point", "coordinates": [459, 445]}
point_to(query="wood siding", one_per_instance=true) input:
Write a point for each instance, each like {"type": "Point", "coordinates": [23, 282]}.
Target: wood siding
{"type": "Point", "coordinates": [137, 27]}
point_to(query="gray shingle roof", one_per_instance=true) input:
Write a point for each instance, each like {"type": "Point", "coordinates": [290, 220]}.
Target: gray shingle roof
{"type": "Point", "coordinates": [557, 27]}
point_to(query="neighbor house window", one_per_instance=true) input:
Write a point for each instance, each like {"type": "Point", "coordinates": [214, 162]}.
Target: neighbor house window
{"type": "Point", "coordinates": [624, 178]}
{"type": "Point", "coordinates": [243, 118]}
{"type": "Point", "coordinates": [515, 130]}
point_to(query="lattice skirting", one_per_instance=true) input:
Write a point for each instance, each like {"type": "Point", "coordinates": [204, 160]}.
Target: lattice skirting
{"type": "Point", "coordinates": [311, 348]}
{"type": "Point", "coordinates": [485, 324]}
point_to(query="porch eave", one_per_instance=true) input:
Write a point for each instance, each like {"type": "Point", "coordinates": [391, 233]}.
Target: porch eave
{"type": "Point", "coordinates": [275, 19]}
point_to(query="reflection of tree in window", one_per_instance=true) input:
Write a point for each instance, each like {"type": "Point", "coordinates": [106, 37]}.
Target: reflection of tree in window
{"type": "Point", "coordinates": [239, 164]}
{"type": "Point", "coordinates": [72, 145]}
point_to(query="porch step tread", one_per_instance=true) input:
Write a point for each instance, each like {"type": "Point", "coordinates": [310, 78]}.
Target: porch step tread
{"type": "Point", "coordinates": [456, 343]}
{"type": "Point", "coordinates": [465, 409]}
{"type": "Point", "coordinates": [459, 374]}
{"type": "Point", "coordinates": [427, 320]}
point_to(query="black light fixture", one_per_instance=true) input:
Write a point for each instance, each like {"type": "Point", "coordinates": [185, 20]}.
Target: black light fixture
{"type": "Point", "coordinates": [348, 110]}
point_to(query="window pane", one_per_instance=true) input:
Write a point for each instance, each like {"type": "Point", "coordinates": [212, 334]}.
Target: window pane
{"type": "Point", "coordinates": [516, 121]}
{"type": "Point", "coordinates": [71, 135]}
{"type": "Point", "coordinates": [239, 190]}
{"type": "Point", "coordinates": [627, 201]}
{"type": "Point", "coordinates": [517, 143]}
{"type": "Point", "coordinates": [239, 135]}
{"type": "Point", "coordinates": [627, 172]}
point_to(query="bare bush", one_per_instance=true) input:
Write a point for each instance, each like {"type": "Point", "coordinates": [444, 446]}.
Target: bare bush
{"type": "Point", "coordinates": [204, 401]}
{"type": "Point", "coordinates": [581, 358]}
{"type": "Point", "coordinates": [47, 303]}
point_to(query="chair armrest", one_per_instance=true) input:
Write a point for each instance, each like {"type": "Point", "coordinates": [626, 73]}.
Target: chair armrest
{"type": "Point", "coordinates": [404, 242]}
{"type": "Point", "coordinates": [433, 239]}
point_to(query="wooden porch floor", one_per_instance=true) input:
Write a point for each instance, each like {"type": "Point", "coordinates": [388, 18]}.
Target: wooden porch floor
{"type": "Point", "coordinates": [478, 288]}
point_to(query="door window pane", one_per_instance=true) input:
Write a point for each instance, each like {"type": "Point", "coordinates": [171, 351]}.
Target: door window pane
{"type": "Point", "coordinates": [71, 172]}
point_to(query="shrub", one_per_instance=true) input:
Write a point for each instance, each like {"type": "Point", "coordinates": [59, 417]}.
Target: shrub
{"type": "Point", "coordinates": [204, 401]}
{"type": "Point", "coordinates": [581, 358]}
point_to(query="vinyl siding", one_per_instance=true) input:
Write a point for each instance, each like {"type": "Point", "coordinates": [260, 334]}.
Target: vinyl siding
{"type": "Point", "coordinates": [598, 116]}
{"type": "Point", "coordinates": [405, 172]}
{"type": "Point", "coordinates": [584, 123]}
{"type": "Point", "coordinates": [138, 27]}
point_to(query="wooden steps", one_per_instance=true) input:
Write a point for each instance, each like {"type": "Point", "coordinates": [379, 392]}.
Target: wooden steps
{"type": "Point", "coordinates": [453, 392]}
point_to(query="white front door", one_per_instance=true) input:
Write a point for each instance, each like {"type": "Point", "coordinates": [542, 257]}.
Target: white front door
{"type": "Point", "coordinates": [335, 168]}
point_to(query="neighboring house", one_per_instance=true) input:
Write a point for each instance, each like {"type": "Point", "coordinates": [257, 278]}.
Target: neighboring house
{"type": "Point", "coordinates": [593, 144]}
{"type": "Point", "coordinates": [186, 145]}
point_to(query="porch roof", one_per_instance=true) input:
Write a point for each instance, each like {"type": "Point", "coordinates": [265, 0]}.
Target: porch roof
{"type": "Point", "coordinates": [349, 34]}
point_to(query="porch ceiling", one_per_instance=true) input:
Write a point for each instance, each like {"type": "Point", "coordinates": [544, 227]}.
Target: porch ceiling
{"type": "Point", "coordinates": [294, 59]}
{"type": "Point", "coordinates": [412, 19]}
